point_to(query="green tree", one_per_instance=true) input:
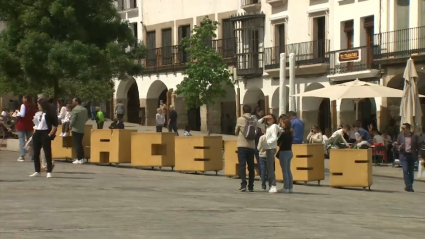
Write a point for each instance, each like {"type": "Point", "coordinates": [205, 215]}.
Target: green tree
{"type": "Point", "coordinates": [207, 73]}
{"type": "Point", "coordinates": [53, 43]}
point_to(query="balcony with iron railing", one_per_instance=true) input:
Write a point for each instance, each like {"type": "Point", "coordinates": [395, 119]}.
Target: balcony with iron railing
{"type": "Point", "coordinates": [173, 58]}
{"type": "Point", "coordinates": [251, 5]}
{"type": "Point", "coordinates": [127, 8]}
{"type": "Point", "coordinates": [399, 44]}
{"type": "Point", "coordinates": [352, 63]}
{"type": "Point", "coordinates": [312, 56]}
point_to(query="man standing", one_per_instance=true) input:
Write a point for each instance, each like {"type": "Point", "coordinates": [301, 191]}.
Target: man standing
{"type": "Point", "coordinates": [298, 126]}
{"type": "Point", "coordinates": [79, 117]}
{"type": "Point", "coordinates": [246, 130]}
{"type": "Point", "coordinates": [172, 121]}
{"type": "Point", "coordinates": [408, 146]}
{"type": "Point", "coordinates": [120, 110]}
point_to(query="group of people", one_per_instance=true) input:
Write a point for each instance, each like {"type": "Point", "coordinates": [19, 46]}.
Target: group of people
{"type": "Point", "coordinates": [259, 136]}
{"type": "Point", "coordinates": [38, 123]}
{"type": "Point", "coordinates": [171, 121]}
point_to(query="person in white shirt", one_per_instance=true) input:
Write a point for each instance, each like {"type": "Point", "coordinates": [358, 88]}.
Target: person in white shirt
{"type": "Point", "coordinates": [65, 121]}
{"type": "Point", "coordinates": [160, 119]}
{"type": "Point", "coordinates": [337, 137]}
{"type": "Point", "coordinates": [45, 125]}
{"type": "Point", "coordinates": [270, 145]}
{"type": "Point", "coordinates": [62, 110]}
{"type": "Point", "coordinates": [377, 138]}
{"type": "Point", "coordinates": [315, 136]}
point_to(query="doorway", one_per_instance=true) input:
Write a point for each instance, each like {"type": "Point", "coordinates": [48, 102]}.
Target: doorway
{"type": "Point", "coordinates": [133, 104]}
{"type": "Point", "coordinates": [325, 115]}
{"type": "Point", "coordinates": [194, 119]}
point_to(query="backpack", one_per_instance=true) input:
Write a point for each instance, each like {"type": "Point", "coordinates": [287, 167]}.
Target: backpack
{"type": "Point", "coordinates": [250, 130]}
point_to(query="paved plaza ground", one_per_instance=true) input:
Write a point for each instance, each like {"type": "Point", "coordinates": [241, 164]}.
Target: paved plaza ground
{"type": "Point", "coordinates": [102, 202]}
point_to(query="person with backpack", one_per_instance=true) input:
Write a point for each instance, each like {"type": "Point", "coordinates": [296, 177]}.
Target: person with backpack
{"type": "Point", "coordinates": [246, 130]}
{"type": "Point", "coordinates": [258, 114]}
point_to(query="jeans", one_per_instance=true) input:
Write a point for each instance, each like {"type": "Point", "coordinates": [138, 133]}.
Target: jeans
{"type": "Point", "coordinates": [41, 140]}
{"type": "Point", "coordinates": [408, 163]}
{"type": "Point", "coordinates": [285, 162]}
{"type": "Point", "coordinates": [246, 156]}
{"type": "Point", "coordinates": [257, 157]}
{"type": "Point", "coordinates": [158, 128]}
{"type": "Point", "coordinates": [23, 137]}
{"type": "Point", "coordinates": [267, 165]}
{"type": "Point", "coordinates": [173, 127]}
{"type": "Point", "coordinates": [78, 144]}
{"type": "Point", "coordinates": [65, 127]}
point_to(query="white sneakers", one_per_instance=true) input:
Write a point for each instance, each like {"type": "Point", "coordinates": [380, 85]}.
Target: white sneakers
{"type": "Point", "coordinates": [273, 189]}
{"type": "Point", "coordinates": [35, 174]}
{"type": "Point", "coordinates": [21, 159]}
{"type": "Point", "coordinates": [49, 175]}
{"type": "Point", "coordinates": [82, 161]}
{"type": "Point", "coordinates": [63, 135]}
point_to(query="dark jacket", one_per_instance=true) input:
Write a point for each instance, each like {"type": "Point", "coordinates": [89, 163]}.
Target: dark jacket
{"type": "Point", "coordinates": [415, 147]}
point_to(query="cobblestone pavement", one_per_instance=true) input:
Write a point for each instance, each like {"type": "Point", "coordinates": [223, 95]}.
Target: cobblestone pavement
{"type": "Point", "coordinates": [101, 202]}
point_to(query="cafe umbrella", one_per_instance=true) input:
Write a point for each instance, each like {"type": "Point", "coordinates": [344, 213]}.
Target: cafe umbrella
{"type": "Point", "coordinates": [410, 107]}
{"type": "Point", "coordinates": [355, 90]}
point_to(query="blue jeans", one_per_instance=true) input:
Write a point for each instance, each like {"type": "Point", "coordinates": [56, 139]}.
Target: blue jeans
{"type": "Point", "coordinates": [263, 166]}
{"type": "Point", "coordinates": [285, 162]}
{"type": "Point", "coordinates": [23, 137]}
{"type": "Point", "coordinates": [257, 157]}
{"type": "Point", "coordinates": [408, 163]}
{"type": "Point", "coordinates": [246, 157]}
{"type": "Point", "coordinates": [267, 165]}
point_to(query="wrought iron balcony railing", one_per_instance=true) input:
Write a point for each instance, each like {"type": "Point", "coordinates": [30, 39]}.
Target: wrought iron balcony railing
{"type": "Point", "coordinates": [350, 60]}
{"type": "Point", "coordinates": [306, 53]}
{"type": "Point", "coordinates": [400, 43]}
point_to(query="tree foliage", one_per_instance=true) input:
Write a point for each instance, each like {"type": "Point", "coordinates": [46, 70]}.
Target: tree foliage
{"type": "Point", "coordinates": [65, 43]}
{"type": "Point", "coordinates": [207, 74]}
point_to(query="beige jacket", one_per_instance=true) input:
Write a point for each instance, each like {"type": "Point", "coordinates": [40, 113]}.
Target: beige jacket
{"type": "Point", "coordinates": [240, 126]}
{"type": "Point", "coordinates": [315, 138]}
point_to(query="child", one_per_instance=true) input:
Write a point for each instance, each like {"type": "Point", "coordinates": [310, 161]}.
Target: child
{"type": "Point", "coordinates": [187, 131]}
{"type": "Point", "coordinates": [65, 121]}
{"type": "Point", "coordinates": [263, 160]}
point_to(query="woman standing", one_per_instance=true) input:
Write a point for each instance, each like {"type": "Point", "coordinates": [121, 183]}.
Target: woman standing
{"type": "Point", "coordinates": [285, 153]}
{"type": "Point", "coordinates": [45, 127]}
{"type": "Point", "coordinates": [160, 119]}
{"type": "Point", "coordinates": [62, 110]}
{"type": "Point", "coordinates": [24, 125]}
{"type": "Point", "coordinates": [270, 145]}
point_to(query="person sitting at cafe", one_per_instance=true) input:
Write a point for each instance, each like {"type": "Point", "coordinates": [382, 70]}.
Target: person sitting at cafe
{"type": "Point", "coordinates": [315, 136]}
{"type": "Point", "coordinates": [364, 137]}
{"type": "Point", "coordinates": [337, 139]}
{"type": "Point", "coordinates": [378, 138]}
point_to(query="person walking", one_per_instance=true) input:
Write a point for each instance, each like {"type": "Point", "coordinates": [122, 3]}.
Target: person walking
{"type": "Point", "coordinates": [172, 121]}
{"type": "Point", "coordinates": [408, 145]}
{"type": "Point", "coordinates": [285, 153]}
{"type": "Point", "coordinates": [120, 110]}
{"type": "Point", "coordinates": [79, 117]}
{"type": "Point", "coordinates": [24, 126]}
{"type": "Point", "coordinates": [45, 127]}
{"type": "Point", "coordinates": [93, 111]}
{"type": "Point", "coordinates": [246, 130]}
{"type": "Point", "coordinates": [160, 119]}
{"type": "Point", "coordinates": [269, 143]}
{"type": "Point", "coordinates": [100, 118]}
{"type": "Point", "coordinates": [298, 127]}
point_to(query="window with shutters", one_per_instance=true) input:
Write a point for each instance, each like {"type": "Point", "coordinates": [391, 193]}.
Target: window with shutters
{"type": "Point", "coordinates": [228, 41]}
{"type": "Point", "coordinates": [249, 35]}
{"type": "Point", "coordinates": [183, 32]}
{"type": "Point", "coordinates": [151, 49]}
{"type": "Point", "coordinates": [166, 47]}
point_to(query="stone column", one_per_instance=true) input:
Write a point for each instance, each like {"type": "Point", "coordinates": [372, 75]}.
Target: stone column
{"type": "Point", "coordinates": [211, 118]}
{"type": "Point", "coordinates": [151, 105]}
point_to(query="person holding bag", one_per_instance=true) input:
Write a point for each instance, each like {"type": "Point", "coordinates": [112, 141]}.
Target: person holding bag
{"type": "Point", "coordinates": [45, 125]}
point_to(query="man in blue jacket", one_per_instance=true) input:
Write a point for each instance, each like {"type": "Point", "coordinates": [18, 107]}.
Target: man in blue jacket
{"type": "Point", "coordinates": [298, 126]}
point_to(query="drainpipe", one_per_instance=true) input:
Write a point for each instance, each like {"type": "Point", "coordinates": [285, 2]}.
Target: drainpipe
{"type": "Point", "coordinates": [282, 85]}
{"type": "Point", "coordinates": [292, 82]}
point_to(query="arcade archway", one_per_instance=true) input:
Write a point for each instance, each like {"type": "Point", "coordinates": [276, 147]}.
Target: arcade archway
{"type": "Point", "coordinates": [275, 101]}
{"type": "Point", "coordinates": [316, 110]}
{"type": "Point", "coordinates": [254, 97]}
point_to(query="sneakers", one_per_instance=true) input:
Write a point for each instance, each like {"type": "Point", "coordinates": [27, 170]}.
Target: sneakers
{"type": "Point", "coordinates": [49, 175]}
{"type": "Point", "coordinates": [61, 135]}
{"type": "Point", "coordinates": [242, 189]}
{"type": "Point", "coordinates": [273, 189]}
{"type": "Point", "coordinates": [81, 161]}
{"type": "Point", "coordinates": [35, 174]}
{"type": "Point", "coordinates": [21, 159]}
{"type": "Point", "coordinates": [65, 135]}
{"type": "Point", "coordinates": [291, 190]}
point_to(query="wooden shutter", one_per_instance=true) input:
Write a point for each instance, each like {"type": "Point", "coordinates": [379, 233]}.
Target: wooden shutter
{"type": "Point", "coordinates": [166, 46]}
